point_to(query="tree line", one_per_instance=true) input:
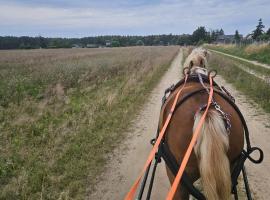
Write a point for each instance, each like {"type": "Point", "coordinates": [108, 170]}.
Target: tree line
{"type": "Point", "coordinates": [199, 36]}
{"type": "Point", "coordinates": [25, 42]}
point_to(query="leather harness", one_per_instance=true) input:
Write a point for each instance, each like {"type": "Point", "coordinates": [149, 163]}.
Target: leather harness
{"type": "Point", "coordinates": [238, 164]}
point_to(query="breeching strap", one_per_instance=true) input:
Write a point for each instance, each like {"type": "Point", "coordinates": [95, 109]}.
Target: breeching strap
{"type": "Point", "coordinates": [191, 145]}
{"type": "Point", "coordinates": [131, 194]}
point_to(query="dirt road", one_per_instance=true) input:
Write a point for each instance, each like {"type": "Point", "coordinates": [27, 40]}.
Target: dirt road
{"type": "Point", "coordinates": [127, 161]}
{"type": "Point", "coordinates": [243, 59]}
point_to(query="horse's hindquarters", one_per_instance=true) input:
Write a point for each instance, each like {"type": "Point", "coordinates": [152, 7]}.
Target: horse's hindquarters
{"type": "Point", "coordinates": [179, 132]}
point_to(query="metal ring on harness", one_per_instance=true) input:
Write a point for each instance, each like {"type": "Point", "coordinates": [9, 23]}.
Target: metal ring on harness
{"type": "Point", "coordinates": [186, 71]}
{"type": "Point", "coordinates": [212, 73]}
{"type": "Point", "coordinates": [251, 150]}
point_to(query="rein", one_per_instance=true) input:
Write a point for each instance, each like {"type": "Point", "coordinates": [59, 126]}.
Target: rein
{"type": "Point", "coordinates": [132, 192]}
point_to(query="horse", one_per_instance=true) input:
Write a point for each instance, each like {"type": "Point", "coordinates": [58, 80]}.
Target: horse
{"type": "Point", "coordinates": [198, 57]}
{"type": "Point", "coordinates": [217, 146]}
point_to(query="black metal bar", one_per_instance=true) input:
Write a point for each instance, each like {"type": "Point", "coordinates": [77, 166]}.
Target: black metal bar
{"type": "Point", "coordinates": [248, 192]}
{"type": "Point", "coordinates": [172, 164]}
{"type": "Point", "coordinates": [235, 193]}
{"type": "Point", "coordinates": [144, 182]}
{"type": "Point", "coordinates": [152, 179]}
{"type": "Point", "coordinates": [148, 168]}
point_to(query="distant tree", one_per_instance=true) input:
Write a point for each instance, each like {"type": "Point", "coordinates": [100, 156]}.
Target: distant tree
{"type": "Point", "coordinates": [199, 34]}
{"type": "Point", "coordinates": [221, 32]}
{"type": "Point", "coordinates": [268, 32]}
{"type": "Point", "coordinates": [258, 31]}
{"type": "Point", "coordinates": [201, 42]}
{"type": "Point", "coordinates": [115, 43]}
{"type": "Point", "coordinates": [237, 36]}
{"type": "Point", "coordinates": [184, 39]}
{"type": "Point", "coordinates": [264, 36]}
{"type": "Point", "coordinates": [213, 35]}
{"type": "Point", "coordinates": [42, 42]}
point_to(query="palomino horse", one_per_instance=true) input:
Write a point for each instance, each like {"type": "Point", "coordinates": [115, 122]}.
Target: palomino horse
{"type": "Point", "coordinates": [217, 146]}
{"type": "Point", "coordinates": [198, 57]}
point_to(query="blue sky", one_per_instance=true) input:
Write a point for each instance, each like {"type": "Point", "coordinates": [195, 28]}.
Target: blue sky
{"type": "Point", "coordinates": [66, 18]}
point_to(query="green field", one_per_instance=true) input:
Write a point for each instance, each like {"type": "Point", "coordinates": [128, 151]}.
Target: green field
{"type": "Point", "coordinates": [62, 112]}
{"type": "Point", "coordinates": [260, 53]}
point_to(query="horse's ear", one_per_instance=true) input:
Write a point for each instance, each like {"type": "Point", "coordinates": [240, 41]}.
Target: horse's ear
{"type": "Point", "coordinates": [191, 64]}
{"type": "Point", "coordinates": [205, 53]}
{"type": "Point", "coordinates": [201, 63]}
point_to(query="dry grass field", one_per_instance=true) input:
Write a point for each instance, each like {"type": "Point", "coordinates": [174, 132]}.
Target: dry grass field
{"type": "Point", "coordinates": [63, 110]}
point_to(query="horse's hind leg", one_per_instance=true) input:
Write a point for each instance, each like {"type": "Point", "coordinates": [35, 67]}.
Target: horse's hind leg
{"type": "Point", "coordinates": [181, 193]}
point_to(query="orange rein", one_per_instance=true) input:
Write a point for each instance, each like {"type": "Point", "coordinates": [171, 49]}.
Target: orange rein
{"type": "Point", "coordinates": [130, 195]}
{"type": "Point", "coordinates": [191, 145]}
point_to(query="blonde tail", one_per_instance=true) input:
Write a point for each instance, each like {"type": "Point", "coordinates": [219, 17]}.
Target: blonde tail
{"type": "Point", "coordinates": [211, 151]}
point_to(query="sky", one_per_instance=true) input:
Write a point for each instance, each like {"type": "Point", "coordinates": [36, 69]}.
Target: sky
{"type": "Point", "coordinates": [81, 18]}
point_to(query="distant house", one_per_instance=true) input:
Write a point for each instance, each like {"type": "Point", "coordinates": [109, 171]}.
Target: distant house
{"type": "Point", "coordinates": [227, 39]}
{"type": "Point", "coordinates": [139, 43]}
{"type": "Point", "coordinates": [76, 46]}
{"type": "Point", "coordinates": [249, 36]}
{"type": "Point", "coordinates": [108, 44]}
{"type": "Point", "coordinates": [91, 46]}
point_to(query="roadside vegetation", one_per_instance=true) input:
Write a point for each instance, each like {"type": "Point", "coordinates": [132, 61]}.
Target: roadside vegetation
{"type": "Point", "coordinates": [257, 52]}
{"type": "Point", "coordinates": [252, 86]}
{"type": "Point", "coordinates": [186, 51]}
{"type": "Point", "coordinates": [63, 111]}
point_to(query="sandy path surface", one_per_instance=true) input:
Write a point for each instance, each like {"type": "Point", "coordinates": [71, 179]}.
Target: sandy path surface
{"type": "Point", "coordinates": [127, 161]}
{"type": "Point", "coordinates": [243, 59]}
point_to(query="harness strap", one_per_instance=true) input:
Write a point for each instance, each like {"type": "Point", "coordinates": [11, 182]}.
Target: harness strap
{"type": "Point", "coordinates": [174, 166]}
{"type": "Point", "coordinates": [131, 193]}
{"type": "Point", "coordinates": [194, 78]}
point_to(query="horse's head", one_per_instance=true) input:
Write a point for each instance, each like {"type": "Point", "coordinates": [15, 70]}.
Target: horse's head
{"type": "Point", "coordinates": [197, 60]}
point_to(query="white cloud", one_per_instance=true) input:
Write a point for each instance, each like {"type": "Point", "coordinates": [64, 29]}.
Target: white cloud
{"type": "Point", "coordinates": [165, 17]}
